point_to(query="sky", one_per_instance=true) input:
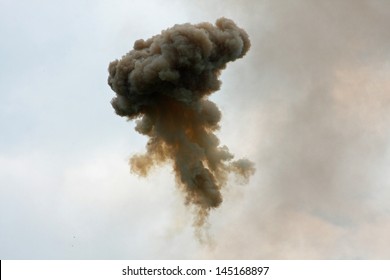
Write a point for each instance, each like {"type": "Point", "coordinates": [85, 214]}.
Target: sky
{"type": "Point", "coordinates": [308, 105]}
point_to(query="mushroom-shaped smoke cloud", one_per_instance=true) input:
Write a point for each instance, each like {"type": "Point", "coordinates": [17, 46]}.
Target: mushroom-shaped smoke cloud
{"type": "Point", "coordinates": [164, 82]}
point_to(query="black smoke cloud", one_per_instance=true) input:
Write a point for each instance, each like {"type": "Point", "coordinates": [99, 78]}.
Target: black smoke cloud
{"type": "Point", "coordinates": [164, 83]}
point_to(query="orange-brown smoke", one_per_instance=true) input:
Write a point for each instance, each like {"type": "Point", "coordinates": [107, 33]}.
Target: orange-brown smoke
{"type": "Point", "coordinates": [164, 82]}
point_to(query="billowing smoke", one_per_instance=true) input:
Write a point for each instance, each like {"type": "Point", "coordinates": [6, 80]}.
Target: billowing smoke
{"type": "Point", "coordinates": [164, 83]}
{"type": "Point", "coordinates": [317, 86]}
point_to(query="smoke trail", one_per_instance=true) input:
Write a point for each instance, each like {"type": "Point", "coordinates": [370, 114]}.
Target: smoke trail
{"type": "Point", "coordinates": [164, 82]}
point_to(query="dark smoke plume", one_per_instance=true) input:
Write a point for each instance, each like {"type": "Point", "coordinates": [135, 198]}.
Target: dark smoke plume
{"type": "Point", "coordinates": [164, 82]}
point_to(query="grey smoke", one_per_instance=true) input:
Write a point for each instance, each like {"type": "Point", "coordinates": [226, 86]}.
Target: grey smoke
{"type": "Point", "coordinates": [318, 88]}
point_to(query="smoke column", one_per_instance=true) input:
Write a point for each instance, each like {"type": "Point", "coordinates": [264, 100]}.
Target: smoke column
{"type": "Point", "coordinates": [164, 83]}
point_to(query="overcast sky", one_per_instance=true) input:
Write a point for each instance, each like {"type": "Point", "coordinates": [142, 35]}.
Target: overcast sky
{"type": "Point", "coordinates": [309, 104]}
